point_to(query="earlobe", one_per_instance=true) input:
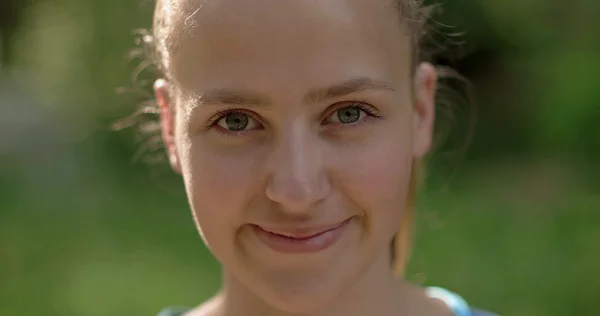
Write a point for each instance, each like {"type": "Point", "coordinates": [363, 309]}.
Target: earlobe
{"type": "Point", "coordinates": [167, 122]}
{"type": "Point", "coordinates": [424, 108]}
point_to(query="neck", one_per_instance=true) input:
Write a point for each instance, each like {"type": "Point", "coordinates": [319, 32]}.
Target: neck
{"type": "Point", "coordinates": [376, 292]}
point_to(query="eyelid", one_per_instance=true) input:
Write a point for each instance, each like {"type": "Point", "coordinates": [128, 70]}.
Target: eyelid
{"type": "Point", "coordinates": [362, 105]}
{"type": "Point", "coordinates": [213, 120]}
{"type": "Point", "coordinates": [212, 124]}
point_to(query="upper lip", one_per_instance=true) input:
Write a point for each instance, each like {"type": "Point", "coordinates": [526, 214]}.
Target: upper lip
{"type": "Point", "coordinates": [300, 231]}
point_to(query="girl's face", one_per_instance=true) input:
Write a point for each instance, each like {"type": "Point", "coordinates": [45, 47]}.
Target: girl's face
{"type": "Point", "coordinates": [294, 125]}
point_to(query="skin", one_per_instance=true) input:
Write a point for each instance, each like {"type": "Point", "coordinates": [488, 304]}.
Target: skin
{"type": "Point", "coordinates": [289, 68]}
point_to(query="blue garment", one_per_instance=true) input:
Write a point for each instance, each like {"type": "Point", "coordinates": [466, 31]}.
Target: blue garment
{"type": "Point", "coordinates": [457, 304]}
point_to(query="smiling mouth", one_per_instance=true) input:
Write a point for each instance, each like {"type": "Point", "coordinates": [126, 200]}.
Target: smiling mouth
{"type": "Point", "coordinates": [301, 240]}
{"type": "Point", "coordinates": [300, 234]}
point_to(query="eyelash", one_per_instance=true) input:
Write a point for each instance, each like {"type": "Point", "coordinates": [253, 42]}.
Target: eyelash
{"type": "Point", "coordinates": [214, 120]}
{"type": "Point", "coordinates": [369, 110]}
{"type": "Point", "coordinates": [361, 105]}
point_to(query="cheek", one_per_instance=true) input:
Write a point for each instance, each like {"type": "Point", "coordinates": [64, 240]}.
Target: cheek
{"type": "Point", "coordinates": [219, 186]}
{"type": "Point", "coordinates": [375, 176]}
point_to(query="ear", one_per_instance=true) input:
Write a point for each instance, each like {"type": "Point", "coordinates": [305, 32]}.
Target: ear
{"type": "Point", "coordinates": [167, 122]}
{"type": "Point", "coordinates": [424, 109]}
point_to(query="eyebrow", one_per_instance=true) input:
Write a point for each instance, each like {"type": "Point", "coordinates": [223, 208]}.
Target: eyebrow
{"type": "Point", "coordinates": [346, 88]}
{"type": "Point", "coordinates": [316, 95]}
{"type": "Point", "coordinates": [232, 97]}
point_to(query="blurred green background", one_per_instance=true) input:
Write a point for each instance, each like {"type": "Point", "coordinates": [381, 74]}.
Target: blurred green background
{"type": "Point", "coordinates": [512, 223]}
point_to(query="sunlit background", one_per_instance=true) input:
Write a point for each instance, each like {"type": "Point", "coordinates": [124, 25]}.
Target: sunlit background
{"type": "Point", "coordinates": [511, 222]}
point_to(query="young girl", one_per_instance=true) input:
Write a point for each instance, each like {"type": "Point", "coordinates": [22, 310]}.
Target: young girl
{"type": "Point", "coordinates": [298, 127]}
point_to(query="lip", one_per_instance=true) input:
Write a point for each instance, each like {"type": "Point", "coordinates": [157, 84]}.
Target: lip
{"type": "Point", "coordinates": [300, 239]}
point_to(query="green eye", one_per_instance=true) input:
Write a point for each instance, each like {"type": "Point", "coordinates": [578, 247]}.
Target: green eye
{"type": "Point", "coordinates": [348, 114]}
{"type": "Point", "coordinates": [235, 122]}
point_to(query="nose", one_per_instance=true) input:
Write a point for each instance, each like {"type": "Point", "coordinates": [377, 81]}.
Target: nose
{"type": "Point", "coordinates": [298, 178]}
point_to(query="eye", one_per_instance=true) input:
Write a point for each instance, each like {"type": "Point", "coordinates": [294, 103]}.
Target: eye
{"type": "Point", "coordinates": [236, 122]}
{"type": "Point", "coordinates": [350, 114]}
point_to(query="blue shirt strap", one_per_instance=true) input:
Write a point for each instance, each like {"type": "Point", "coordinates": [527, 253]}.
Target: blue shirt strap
{"type": "Point", "coordinates": [458, 306]}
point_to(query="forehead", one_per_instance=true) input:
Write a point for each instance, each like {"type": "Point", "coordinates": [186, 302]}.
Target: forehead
{"type": "Point", "coordinates": [235, 42]}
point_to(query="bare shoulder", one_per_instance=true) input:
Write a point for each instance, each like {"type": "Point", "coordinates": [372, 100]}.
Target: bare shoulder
{"type": "Point", "coordinates": [208, 308]}
{"type": "Point", "coordinates": [416, 301]}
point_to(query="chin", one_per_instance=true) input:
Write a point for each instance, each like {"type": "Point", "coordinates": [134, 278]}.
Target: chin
{"type": "Point", "coordinates": [304, 293]}
{"type": "Point", "coordinates": [300, 302]}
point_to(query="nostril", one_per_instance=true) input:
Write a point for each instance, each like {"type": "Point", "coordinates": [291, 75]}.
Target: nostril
{"type": "Point", "coordinates": [298, 195]}
{"type": "Point", "coordinates": [296, 171]}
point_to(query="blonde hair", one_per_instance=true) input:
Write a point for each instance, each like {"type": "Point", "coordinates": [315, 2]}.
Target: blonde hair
{"type": "Point", "coordinates": [402, 243]}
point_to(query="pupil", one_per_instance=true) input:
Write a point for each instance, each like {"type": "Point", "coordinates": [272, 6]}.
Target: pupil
{"type": "Point", "coordinates": [236, 121]}
{"type": "Point", "coordinates": [349, 115]}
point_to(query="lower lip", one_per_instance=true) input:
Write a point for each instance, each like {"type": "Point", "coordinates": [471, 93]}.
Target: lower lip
{"type": "Point", "coordinates": [313, 243]}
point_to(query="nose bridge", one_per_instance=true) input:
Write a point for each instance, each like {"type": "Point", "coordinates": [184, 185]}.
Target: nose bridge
{"type": "Point", "coordinates": [297, 172]}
